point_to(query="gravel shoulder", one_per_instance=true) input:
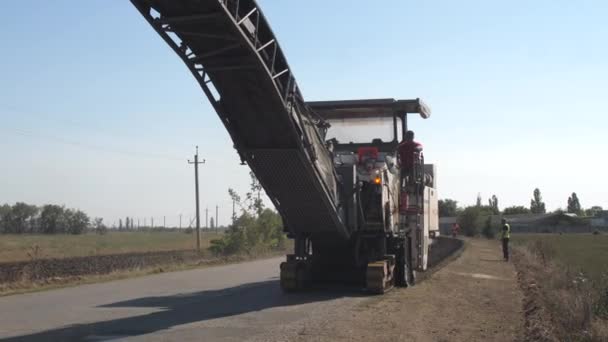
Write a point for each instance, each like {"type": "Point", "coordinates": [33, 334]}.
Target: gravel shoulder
{"type": "Point", "coordinates": [473, 298]}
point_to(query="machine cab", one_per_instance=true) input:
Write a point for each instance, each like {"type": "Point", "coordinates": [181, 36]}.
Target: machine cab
{"type": "Point", "coordinates": [367, 129]}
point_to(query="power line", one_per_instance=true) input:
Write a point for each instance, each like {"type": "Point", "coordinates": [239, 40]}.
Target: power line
{"type": "Point", "coordinates": [81, 125]}
{"type": "Point", "coordinates": [31, 134]}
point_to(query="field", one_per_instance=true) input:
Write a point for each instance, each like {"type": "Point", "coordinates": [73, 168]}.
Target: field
{"type": "Point", "coordinates": [25, 247]}
{"type": "Point", "coordinates": [582, 252]}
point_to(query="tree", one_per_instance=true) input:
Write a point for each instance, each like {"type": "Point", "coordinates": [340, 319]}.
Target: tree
{"type": "Point", "coordinates": [468, 221]}
{"type": "Point", "coordinates": [494, 205]}
{"type": "Point", "coordinates": [77, 221]}
{"type": "Point", "coordinates": [471, 219]}
{"type": "Point", "coordinates": [537, 206]}
{"type": "Point", "coordinates": [448, 208]}
{"type": "Point", "coordinates": [21, 218]}
{"type": "Point", "coordinates": [99, 227]}
{"type": "Point", "coordinates": [253, 203]}
{"type": "Point", "coordinates": [48, 219]}
{"type": "Point", "coordinates": [5, 210]}
{"type": "Point", "coordinates": [211, 223]}
{"type": "Point", "coordinates": [53, 219]}
{"type": "Point", "coordinates": [119, 224]}
{"type": "Point", "coordinates": [488, 231]}
{"type": "Point", "coordinates": [574, 206]}
{"type": "Point", "coordinates": [253, 196]}
{"type": "Point", "coordinates": [594, 211]}
{"type": "Point", "coordinates": [516, 210]}
{"type": "Point", "coordinates": [478, 204]}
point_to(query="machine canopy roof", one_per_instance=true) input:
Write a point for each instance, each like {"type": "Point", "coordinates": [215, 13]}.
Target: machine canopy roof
{"type": "Point", "coordinates": [372, 108]}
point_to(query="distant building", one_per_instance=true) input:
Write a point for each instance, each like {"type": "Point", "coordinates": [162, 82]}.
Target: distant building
{"type": "Point", "coordinates": [445, 225]}
{"type": "Point", "coordinates": [548, 223]}
{"type": "Point", "coordinates": [600, 219]}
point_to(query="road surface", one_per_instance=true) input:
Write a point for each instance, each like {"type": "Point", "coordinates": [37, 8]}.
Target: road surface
{"type": "Point", "coordinates": [243, 302]}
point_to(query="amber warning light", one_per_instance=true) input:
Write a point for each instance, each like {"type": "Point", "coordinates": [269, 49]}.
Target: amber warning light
{"type": "Point", "coordinates": [377, 180]}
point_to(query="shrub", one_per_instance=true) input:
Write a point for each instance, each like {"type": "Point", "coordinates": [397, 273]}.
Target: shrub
{"type": "Point", "coordinates": [488, 231]}
{"type": "Point", "coordinates": [472, 219]}
{"type": "Point", "coordinates": [251, 234]}
{"type": "Point", "coordinates": [218, 246]}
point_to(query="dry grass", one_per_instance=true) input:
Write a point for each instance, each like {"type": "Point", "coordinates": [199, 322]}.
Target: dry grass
{"type": "Point", "coordinates": [574, 300]}
{"type": "Point", "coordinates": [583, 252]}
{"type": "Point", "coordinates": [28, 247]}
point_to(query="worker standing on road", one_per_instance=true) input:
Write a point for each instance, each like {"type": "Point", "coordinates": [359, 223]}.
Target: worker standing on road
{"type": "Point", "coordinates": [506, 235]}
{"type": "Point", "coordinates": [455, 229]}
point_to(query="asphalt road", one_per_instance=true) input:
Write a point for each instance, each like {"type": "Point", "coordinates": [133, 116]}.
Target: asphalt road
{"type": "Point", "coordinates": [227, 303]}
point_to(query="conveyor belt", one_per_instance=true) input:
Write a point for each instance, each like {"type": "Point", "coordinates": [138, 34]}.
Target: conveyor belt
{"type": "Point", "coordinates": [230, 49]}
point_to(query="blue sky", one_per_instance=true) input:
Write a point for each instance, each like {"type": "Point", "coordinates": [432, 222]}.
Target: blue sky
{"type": "Point", "coordinates": [98, 113]}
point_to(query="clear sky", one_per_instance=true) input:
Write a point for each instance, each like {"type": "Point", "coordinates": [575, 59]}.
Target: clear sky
{"type": "Point", "coordinates": [98, 113]}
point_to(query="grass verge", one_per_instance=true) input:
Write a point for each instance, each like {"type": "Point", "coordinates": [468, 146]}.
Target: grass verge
{"type": "Point", "coordinates": [564, 301]}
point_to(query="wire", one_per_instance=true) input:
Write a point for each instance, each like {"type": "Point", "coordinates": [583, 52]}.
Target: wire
{"type": "Point", "coordinates": [54, 139]}
{"type": "Point", "coordinates": [31, 134]}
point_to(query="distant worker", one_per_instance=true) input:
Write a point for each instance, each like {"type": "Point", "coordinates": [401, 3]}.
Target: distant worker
{"type": "Point", "coordinates": [455, 229]}
{"type": "Point", "coordinates": [408, 151]}
{"type": "Point", "coordinates": [506, 235]}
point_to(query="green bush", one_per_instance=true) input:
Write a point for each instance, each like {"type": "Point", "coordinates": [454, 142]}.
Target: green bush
{"type": "Point", "coordinates": [251, 235]}
{"type": "Point", "coordinates": [472, 219]}
{"type": "Point", "coordinates": [488, 231]}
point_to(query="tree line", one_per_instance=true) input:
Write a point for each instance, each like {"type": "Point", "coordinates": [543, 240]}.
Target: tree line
{"type": "Point", "coordinates": [478, 218]}
{"type": "Point", "coordinates": [23, 218]}
{"type": "Point", "coordinates": [450, 208]}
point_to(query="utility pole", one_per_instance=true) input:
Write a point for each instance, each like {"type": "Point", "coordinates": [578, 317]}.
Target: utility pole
{"type": "Point", "coordinates": [207, 217]}
{"type": "Point", "coordinates": [152, 222]}
{"type": "Point", "coordinates": [138, 224]}
{"type": "Point", "coordinates": [198, 220]}
{"type": "Point", "coordinates": [180, 221]}
{"type": "Point", "coordinates": [216, 221]}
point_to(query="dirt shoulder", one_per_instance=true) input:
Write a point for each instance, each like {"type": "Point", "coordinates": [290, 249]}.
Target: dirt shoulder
{"type": "Point", "coordinates": [474, 298]}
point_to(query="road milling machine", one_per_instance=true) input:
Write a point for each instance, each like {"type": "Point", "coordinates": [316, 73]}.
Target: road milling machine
{"type": "Point", "coordinates": [330, 168]}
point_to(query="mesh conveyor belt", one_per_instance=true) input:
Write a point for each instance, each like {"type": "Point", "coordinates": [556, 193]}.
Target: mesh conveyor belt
{"type": "Point", "coordinates": [232, 52]}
